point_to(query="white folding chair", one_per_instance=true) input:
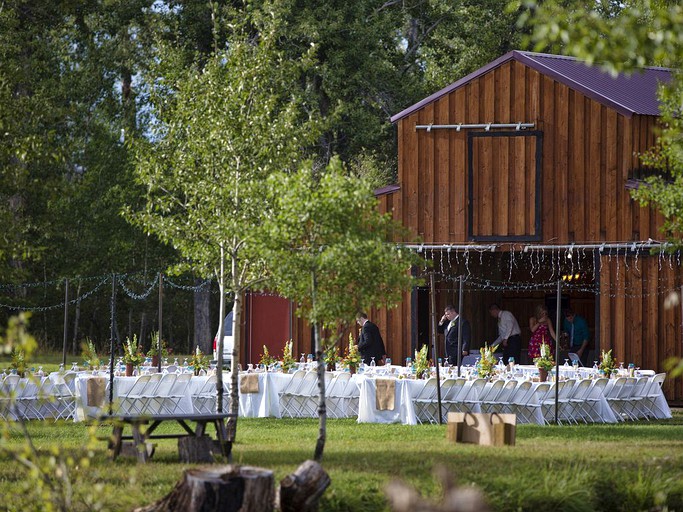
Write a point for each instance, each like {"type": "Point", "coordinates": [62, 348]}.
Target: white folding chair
{"type": "Point", "coordinates": [520, 397]}
{"type": "Point", "coordinates": [532, 410]}
{"type": "Point", "coordinates": [305, 398]}
{"type": "Point", "coordinates": [204, 399]}
{"type": "Point", "coordinates": [425, 406]}
{"type": "Point", "coordinates": [287, 394]}
{"type": "Point", "coordinates": [178, 393]}
{"type": "Point", "coordinates": [594, 399]}
{"type": "Point", "coordinates": [635, 407]}
{"type": "Point", "coordinates": [489, 394]}
{"type": "Point", "coordinates": [575, 402]}
{"type": "Point", "coordinates": [470, 401]}
{"type": "Point", "coordinates": [613, 394]}
{"type": "Point", "coordinates": [654, 394]}
{"type": "Point", "coordinates": [157, 391]}
{"type": "Point", "coordinates": [502, 401]}
{"type": "Point", "coordinates": [451, 391]}
{"type": "Point", "coordinates": [334, 398]}
{"type": "Point", "coordinates": [133, 402]}
{"type": "Point", "coordinates": [8, 392]}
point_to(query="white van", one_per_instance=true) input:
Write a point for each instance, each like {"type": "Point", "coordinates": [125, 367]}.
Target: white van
{"type": "Point", "coordinates": [228, 341]}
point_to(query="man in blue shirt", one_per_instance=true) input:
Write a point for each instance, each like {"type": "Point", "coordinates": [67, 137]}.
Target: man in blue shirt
{"type": "Point", "coordinates": [577, 328]}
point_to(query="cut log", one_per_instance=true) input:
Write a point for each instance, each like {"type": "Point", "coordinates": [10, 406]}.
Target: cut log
{"type": "Point", "coordinates": [225, 488]}
{"type": "Point", "coordinates": [301, 491]}
{"type": "Point", "coordinates": [197, 449]}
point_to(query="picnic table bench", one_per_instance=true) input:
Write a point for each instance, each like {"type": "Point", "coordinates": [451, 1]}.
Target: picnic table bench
{"type": "Point", "coordinates": [140, 435]}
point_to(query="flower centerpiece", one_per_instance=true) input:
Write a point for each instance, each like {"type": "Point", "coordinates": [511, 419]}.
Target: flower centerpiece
{"type": "Point", "coordinates": [153, 351]}
{"type": "Point", "coordinates": [332, 357]}
{"type": "Point", "coordinates": [544, 362]}
{"type": "Point", "coordinates": [421, 362]}
{"type": "Point", "coordinates": [288, 361]}
{"type": "Point", "coordinates": [351, 359]}
{"type": "Point", "coordinates": [132, 355]}
{"type": "Point", "coordinates": [18, 361]}
{"type": "Point", "coordinates": [487, 362]}
{"type": "Point", "coordinates": [266, 359]}
{"type": "Point", "coordinates": [199, 361]}
{"type": "Point", "coordinates": [607, 363]}
{"type": "Point", "coordinates": [89, 354]}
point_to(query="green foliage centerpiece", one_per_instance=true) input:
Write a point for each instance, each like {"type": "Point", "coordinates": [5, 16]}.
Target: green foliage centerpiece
{"type": "Point", "coordinates": [132, 355]}
{"type": "Point", "coordinates": [266, 359]}
{"type": "Point", "coordinates": [199, 361]}
{"type": "Point", "coordinates": [18, 361]}
{"type": "Point", "coordinates": [544, 362]}
{"type": "Point", "coordinates": [421, 362]}
{"type": "Point", "coordinates": [332, 357]}
{"type": "Point", "coordinates": [351, 359]}
{"type": "Point", "coordinates": [486, 363]}
{"type": "Point", "coordinates": [607, 363]}
{"type": "Point", "coordinates": [153, 351]}
{"type": "Point", "coordinates": [89, 354]}
{"type": "Point", "coordinates": [288, 361]}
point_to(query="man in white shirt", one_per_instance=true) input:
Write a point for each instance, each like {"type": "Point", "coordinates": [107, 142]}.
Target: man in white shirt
{"type": "Point", "coordinates": [508, 333]}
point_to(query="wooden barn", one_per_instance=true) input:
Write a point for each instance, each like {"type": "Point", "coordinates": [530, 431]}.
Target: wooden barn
{"type": "Point", "coordinates": [517, 177]}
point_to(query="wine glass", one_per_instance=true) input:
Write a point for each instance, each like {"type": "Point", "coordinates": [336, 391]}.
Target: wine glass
{"type": "Point", "coordinates": [372, 363]}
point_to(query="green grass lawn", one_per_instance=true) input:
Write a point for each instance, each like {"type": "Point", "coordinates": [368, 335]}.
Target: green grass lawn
{"type": "Point", "coordinates": [626, 467]}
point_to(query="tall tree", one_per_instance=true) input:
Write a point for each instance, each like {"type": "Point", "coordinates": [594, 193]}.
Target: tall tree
{"type": "Point", "coordinates": [220, 129]}
{"type": "Point", "coordinates": [329, 250]}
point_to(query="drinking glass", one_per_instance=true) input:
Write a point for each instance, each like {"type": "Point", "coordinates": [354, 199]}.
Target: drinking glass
{"type": "Point", "coordinates": [387, 361]}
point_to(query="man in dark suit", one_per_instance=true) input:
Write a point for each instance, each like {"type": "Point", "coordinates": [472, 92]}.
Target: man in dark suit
{"type": "Point", "coordinates": [450, 325]}
{"type": "Point", "coordinates": [370, 343]}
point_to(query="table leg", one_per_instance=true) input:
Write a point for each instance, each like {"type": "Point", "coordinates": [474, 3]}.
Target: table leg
{"type": "Point", "coordinates": [115, 441]}
{"type": "Point", "coordinates": [139, 442]}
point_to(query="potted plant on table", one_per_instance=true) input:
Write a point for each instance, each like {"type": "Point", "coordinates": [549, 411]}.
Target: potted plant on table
{"type": "Point", "coordinates": [89, 354]}
{"type": "Point", "coordinates": [486, 364]}
{"type": "Point", "coordinates": [544, 362]}
{"type": "Point", "coordinates": [18, 363]}
{"type": "Point", "coordinates": [607, 363]}
{"type": "Point", "coordinates": [153, 351]}
{"type": "Point", "coordinates": [351, 359]}
{"type": "Point", "coordinates": [421, 362]}
{"type": "Point", "coordinates": [199, 361]}
{"type": "Point", "coordinates": [332, 357]}
{"type": "Point", "coordinates": [266, 359]}
{"type": "Point", "coordinates": [288, 361]}
{"type": "Point", "coordinates": [132, 355]}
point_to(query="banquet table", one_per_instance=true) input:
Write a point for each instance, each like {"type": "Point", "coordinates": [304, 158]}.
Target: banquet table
{"type": "Point", "coordinates": [261, 395]}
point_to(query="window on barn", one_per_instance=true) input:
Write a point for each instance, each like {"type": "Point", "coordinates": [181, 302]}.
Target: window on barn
{"type": "Point", "coordinates": [504, 185]}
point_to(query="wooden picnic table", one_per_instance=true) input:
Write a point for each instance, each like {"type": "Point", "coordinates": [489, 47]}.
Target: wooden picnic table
{"type": "Point", "coordinates": [140, 435]}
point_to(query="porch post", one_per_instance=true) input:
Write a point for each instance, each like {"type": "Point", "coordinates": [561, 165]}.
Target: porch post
{"type": "Point", "coordinates": [557, 346]}
{"type": "Point", "coordinates": [460, 281]}
{"type": "Point", "coordinates": [432, 301]}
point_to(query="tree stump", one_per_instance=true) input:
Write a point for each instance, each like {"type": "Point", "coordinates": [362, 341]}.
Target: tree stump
{"type": "Point", "coordinates": [301, 491]}
{"type": "Point", "coordinates": [225, 488]}
{"type": "Point", "coordinates": [198, 449]}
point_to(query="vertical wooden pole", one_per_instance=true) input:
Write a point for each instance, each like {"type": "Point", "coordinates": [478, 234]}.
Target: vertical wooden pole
{"type": "Point", "coordinates": [111, 342]}
{"type": "Point", "coordinates": [460, 280]}
{"type": "Point", "coordinates": [434, 351]}
{"type": "Point", "coordinates": [66, 319]}
{"type": "Point", "coordinates": [558, 308]}
{"type": "Point", "coordinates": [161, 309]}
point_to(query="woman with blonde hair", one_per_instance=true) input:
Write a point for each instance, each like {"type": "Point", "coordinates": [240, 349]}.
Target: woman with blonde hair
{"type": "Point", "coordinates": [541, 332]}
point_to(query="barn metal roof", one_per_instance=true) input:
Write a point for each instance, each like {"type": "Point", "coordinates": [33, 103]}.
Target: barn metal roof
{"type": "Point", "coordinates": [627, 94]}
